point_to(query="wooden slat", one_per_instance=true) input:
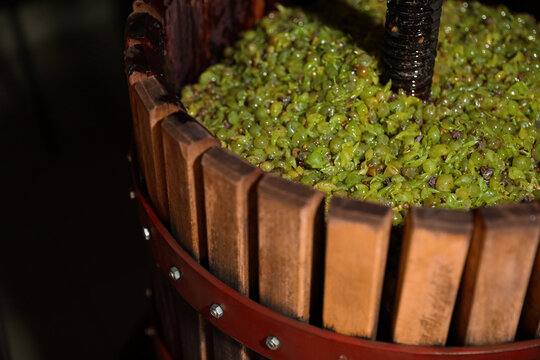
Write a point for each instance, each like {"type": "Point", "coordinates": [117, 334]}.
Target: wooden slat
{"type": "Point", "coordinates": [497, 273]}
{"type": "Point", "coordinates": [184, 142]}
{"type": "Point", "coordinates": [530, 316]}
{"type": "Point", "coordinates": [435, 246]}
{"type": "Point", "coordinates": [231, 230]}
{"type": "Point", "coordinates": [356, 248]}
{"type": "Point", "coordinates": [230, 217]}
{"type": "Point", "coordinates": [291, 240]}
{"type": "Point", "coordinates": [151, 108]}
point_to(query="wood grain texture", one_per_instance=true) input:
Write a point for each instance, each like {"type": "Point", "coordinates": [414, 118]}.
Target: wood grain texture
{"type": "Point", "coordinates": [231, 231]}
{"type": "Point", "coordinates": [291, 241]}
{"type": "Point", "coordinates": [530, 316]}
{"type": "Point", "coordinates": [151, 109]}
{"type": "Point", "coordinates": [497, 273]}
{"type": "Point", "coordinates": [184, 142]}
{"type": "Point", "coordinates": [435, 246]}
{"type": "Point", "coordinates": [230, 205]}
{"type": "Point", "coordinates": [356, 248]}
{"type": "Point", "coordinates": [197, 32]}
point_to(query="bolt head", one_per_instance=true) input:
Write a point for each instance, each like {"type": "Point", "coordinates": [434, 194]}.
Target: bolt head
{"type": "Point", "coordinates": [146, 233]}
{"type": "Point", "coordinates": [272, 342]}
{"type": "Point", "coordinates": [174, 273]}
{"type": "Point", "coordinates": [216, 311]}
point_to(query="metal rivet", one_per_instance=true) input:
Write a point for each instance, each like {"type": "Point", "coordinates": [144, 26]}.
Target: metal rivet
{"type": "Point", "coordinates": [146, 233]}
{"type": "Point", "coordinates": [174, 273]}
{"type": "Point", "coordinates": [132, 195]}
{"type": "Point", "coordinates": [272, 342]}
{"type": "Point", "coordinates": [216, 311]}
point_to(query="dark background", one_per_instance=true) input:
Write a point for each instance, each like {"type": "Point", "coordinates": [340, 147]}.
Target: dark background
{"type": "Point", "coordinates": [73, 265]}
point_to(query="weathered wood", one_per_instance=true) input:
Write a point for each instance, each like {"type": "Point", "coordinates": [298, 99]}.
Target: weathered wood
{"type": "Point", "coordinates": [530, 316]}
{"type": "Point", "coordinates": [231, 221]}
{"type": "Point", "coordinates": [356, 250]}
{"type": "Point", "coordinates": [291, 240]}
{"type": "Point", "coordinates": [151, 108]}
{"type": "Point", "coordinates": [184, 142]}
{"type": "Point", "coordinates": [146, 7]}
{"type": "Point", "coordinates": [435, 246]}
{"type": "Point", "coordinates": [497, 273]}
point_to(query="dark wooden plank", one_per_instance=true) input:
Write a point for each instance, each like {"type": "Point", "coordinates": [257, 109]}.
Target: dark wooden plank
{"type": "Point", "coordinates": [184, 142]}
{"type": "Point", "coordinates": [231, 230]}
{"type": "Point", "coordinates": [497, 273]}
{"type": "Point", "coordinates": [530, 316]}
{"type": "Point", "coordinates": [291, 241]}
{"type": "Point", "coordinates": [435, 246]}
{"type": "Point", "coordinates": [356, 248]}
{"type": "Point", "coordinates": [151, 108]}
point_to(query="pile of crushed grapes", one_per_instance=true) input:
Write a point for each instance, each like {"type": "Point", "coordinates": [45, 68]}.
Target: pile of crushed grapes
{"type": "Point", "coordinates": [299, 96]}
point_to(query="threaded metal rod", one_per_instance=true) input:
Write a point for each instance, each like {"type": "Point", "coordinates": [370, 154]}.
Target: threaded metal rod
{"type": "Point", "coordinates": [410, 45]}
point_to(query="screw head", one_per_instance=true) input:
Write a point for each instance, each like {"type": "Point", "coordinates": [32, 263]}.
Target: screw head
{"type": "Point", "coordinates": [146, 233]}
{"type": "Point", "coordinates": [216, 311]}
{"type": "Point", "coordinates": [272, 342]}
{"type": "Point", "coordinates": [174, 273]}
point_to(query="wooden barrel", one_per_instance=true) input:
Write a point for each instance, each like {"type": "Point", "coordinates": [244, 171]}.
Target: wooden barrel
{"type": "Point", "coordinates": [247, 265]}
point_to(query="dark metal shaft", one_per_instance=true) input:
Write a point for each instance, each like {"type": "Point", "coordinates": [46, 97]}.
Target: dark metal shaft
{"type": "Point", "coordinates": [410, 44]}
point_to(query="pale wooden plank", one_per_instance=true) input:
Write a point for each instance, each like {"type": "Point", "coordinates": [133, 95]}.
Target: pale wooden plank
{"type": "Point", "coordinates": [230, 205]}
{"type": "Point", "coordinates": [497, 273]}
{"type": "Point", "coordinates": [151, 108]}
{"type": "Point", "coordinates": [356, 248]}
{"type": "Point", "coordinates": [184, 143]}
{"type": "Point", "coordinates": [231, 230]}
{"type": "Point", "coordinates": [435, 246]}
{"type": "Point", "coordinates": [291, 240]}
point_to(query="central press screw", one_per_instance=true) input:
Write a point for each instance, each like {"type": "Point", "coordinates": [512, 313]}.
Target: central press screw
{"type": "Point", "coordinates": [272, 342]}
{"type": "Point", "coordinates": [174, 273]}
{"type": "Point", "coordinates": [146, 233]}
{"type": "Point", "coordinates": [216, 311]}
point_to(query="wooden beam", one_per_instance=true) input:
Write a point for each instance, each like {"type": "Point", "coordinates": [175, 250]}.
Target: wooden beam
{"type": "Point", "coordinates": [435, 246]}
{"type": "Point", "coordinates": [185, 141]}
{"type": "Point", "coordinates": [356, 248]}
{"type": "Point", "coordinates": [150, 110]}
{"type": "Point", "coordinates": [497, 274]}
{"type": "Point", "coordinates": [231, 219]}
{"type": "Point", "coordinates": [291, 241]}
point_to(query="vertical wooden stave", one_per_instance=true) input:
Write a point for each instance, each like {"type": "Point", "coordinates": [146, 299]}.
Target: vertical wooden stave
{"type": "Point", "coordinates": [151, 109]}
{"type": "Point", "coordinates": [228, 187]}
{"type": "Point", "coordinates": [184, 143]}
{"type": "Point", "coordinates": [291, 240]}
{"type": "Point", "coordinates": [497, 273]}
{"type": "Point", "coordinates": [356, 249]}
{"type": "Point", "coordinates": [435, 246]}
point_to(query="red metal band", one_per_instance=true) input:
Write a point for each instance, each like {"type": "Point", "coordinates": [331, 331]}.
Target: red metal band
{"type": "Point", "coordinates": [250, 323]}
